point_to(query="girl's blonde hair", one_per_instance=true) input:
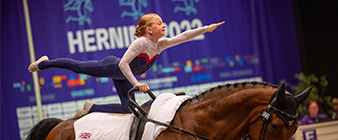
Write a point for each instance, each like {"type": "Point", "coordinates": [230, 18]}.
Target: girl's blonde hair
{"type": "Point", "coordinates": [144, 22]}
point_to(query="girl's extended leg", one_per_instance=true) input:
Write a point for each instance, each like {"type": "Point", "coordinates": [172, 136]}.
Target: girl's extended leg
{"type": "Point", "coordinates": [122, 87]}
{"type": "Point", "coordinates": [107, 67]}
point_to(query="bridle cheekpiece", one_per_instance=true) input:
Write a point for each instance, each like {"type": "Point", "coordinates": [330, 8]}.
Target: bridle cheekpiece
{"type": "Point", "coordinates": [287, 118]}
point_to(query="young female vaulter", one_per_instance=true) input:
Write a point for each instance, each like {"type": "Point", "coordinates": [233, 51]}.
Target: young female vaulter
{"type": "Point", "coordinates": [139, 57]}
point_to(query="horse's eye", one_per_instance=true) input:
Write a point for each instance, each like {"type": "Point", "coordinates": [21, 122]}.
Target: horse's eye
{"type": "Point", "coordinates": [274, 126]}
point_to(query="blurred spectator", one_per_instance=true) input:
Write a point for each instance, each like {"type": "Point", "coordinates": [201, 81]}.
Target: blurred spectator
{"type": "Point", "coordinates": [313, 114]}
{"type": "Point", "coordinates": [335, 108]}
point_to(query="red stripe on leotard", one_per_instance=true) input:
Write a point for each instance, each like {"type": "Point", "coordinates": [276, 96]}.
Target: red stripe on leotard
{"type": "Point", "coordinates": [147, 57]}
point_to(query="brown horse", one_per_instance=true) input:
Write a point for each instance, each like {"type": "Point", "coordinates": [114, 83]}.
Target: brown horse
{"type": "Point", "coordinates": [224, 112]}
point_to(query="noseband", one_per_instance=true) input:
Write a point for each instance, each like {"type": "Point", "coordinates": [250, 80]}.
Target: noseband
{"type": "Point", "coordinates": [266, 116]}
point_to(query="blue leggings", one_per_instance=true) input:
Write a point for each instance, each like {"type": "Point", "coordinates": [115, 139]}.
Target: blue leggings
{"type": "Point", "coordinates": [107, 67]}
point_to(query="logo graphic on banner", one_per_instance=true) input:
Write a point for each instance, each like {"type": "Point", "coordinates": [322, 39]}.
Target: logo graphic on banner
{"type": "Point", "coordinates": [136, 7]}
{"type": "Point", "coordinates": [309, 135]}
{"type": "Point", "coordinates": [189, 7]}
{"type": "Point", "coordinates": [81, 7]}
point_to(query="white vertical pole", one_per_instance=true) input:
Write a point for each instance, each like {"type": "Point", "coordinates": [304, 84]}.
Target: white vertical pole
{"type": "Point", "coordinates": [32, 58]}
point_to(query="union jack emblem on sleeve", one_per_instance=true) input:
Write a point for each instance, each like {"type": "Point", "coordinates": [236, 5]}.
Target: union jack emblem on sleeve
{"type": "Point", "coordinates": [86, 135]}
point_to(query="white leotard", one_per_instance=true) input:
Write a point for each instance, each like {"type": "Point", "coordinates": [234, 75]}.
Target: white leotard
{"type": "Point", "coordinates": [142, 53]}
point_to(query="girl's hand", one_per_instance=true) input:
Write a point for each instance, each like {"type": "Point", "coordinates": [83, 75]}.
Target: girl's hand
{"type": "Point", "coordinates": [143, 87]}
{"type": "Point", "coordinates": [213, 27]}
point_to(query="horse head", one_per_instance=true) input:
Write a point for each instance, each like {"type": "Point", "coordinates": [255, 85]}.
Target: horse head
{"type": "Point", "coordinates": [279, 119]}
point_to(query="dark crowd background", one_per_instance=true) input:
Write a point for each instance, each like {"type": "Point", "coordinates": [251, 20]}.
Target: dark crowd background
{"type": "Point", "coordinates": [317, 30]}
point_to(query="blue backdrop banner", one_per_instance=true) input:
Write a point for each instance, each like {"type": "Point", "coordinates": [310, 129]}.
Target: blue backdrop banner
{"type": "Point", "coordinates": [257, 42]}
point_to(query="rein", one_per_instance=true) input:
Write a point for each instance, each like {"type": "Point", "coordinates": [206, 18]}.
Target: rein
{"type": "Point", "coordinates": [175, 128]}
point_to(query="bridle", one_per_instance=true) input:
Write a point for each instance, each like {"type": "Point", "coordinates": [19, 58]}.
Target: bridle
{"type": "Point", "coordinates": [266, 116]}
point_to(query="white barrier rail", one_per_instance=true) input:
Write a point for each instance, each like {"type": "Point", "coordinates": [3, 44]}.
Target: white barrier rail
{"type": "Point", "coordinates": [318, 131]}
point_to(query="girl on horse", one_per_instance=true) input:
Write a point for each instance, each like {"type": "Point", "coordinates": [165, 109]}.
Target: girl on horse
{"type": "Point", "coordinates": [139, 57]}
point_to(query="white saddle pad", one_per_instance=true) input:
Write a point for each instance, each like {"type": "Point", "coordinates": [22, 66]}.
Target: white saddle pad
{"type": "Point", "coordinates": [163, 110]}
{"type": "Point", "coordinates": [103, 126]}
{"type": "Point", "coordinates": [110, 126]}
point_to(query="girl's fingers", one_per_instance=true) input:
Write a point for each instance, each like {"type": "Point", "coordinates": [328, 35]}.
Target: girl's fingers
{"type": "Point", "coordinates": [219, 24]}
{"type": "Point", "coordinates": [143, 87]}
{"type": "Point", "coordinates": [213, 27]}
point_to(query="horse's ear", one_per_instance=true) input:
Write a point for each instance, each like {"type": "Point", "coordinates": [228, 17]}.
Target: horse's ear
{"type": "Point", "coordinates": [302, 96]}
{"type": "Point", "coordinates": [281, 97]}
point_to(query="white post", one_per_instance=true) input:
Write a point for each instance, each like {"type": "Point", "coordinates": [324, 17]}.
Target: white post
{"type": "Point", "coordinates": [32, 58]}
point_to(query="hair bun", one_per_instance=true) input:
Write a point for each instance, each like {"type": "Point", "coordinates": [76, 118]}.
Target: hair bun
{"type": "Point", "coordinates": [137, 29]}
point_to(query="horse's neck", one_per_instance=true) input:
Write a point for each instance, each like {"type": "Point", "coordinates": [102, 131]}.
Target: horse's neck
{"type": "Point", "coordinates": [227, 116]}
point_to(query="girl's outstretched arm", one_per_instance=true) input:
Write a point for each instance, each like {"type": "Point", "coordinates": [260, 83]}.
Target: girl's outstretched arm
{"type": "Point", "coordinates": [187, 35]}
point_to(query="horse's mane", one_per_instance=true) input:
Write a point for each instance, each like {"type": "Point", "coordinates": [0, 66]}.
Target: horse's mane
{"type": "Point", "coordinates": [41, 130]}
{"type": "Point", "coordinates": [244, 85]}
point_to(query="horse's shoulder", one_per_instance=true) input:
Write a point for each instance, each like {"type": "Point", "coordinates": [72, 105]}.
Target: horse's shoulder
{"type": "Point", "coordinates": [67, 124]}
{"type": "Point", "coordinates": [63, 131]}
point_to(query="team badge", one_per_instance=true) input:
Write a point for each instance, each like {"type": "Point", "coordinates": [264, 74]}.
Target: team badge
{"type": "Point", "coordinates": [85, 135]}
